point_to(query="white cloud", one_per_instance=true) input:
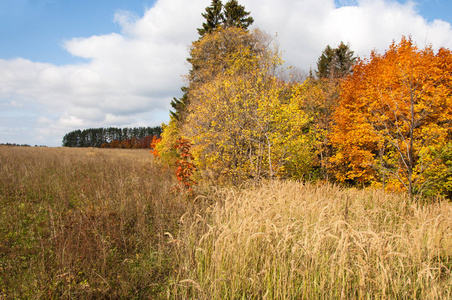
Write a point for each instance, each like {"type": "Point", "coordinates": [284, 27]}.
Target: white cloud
{"type": "Point", "coordinates": [129, 78]}
{"type": "Point", "coordinates": [306, 27]}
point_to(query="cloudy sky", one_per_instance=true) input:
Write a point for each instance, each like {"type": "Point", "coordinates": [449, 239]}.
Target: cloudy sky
{"type": "Point", "coordinates": [76, 64]}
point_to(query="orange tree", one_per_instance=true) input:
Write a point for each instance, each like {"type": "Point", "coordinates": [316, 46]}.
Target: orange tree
{"type": "Point", "coordinates": [394, 120]}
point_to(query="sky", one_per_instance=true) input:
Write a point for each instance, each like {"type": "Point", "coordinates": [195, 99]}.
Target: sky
{"type": "Point", "coordinates": [78, 64]}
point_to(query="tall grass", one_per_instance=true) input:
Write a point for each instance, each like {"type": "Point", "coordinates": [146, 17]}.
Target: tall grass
{"type": "Point", "coordinates": [289, 240]}
{"type": "Point", "coordinates": [104, 223]}
{"type": "Point", "coordinates": [84, 224]}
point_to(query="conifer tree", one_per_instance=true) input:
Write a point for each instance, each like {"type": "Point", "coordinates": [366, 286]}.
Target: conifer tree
{"type": "Point", "coordinates": [214, 17]}
{"type": "Point", "coordinates": [322, 95]}
{"type": "Point", "coordinates": [324, 62]}
{"type": "Point", "coordinates": [236, 16]}
{"type": "Point", "coordinates": [179, 105]}
{"type": "Point", "coordinates": [335, 63]}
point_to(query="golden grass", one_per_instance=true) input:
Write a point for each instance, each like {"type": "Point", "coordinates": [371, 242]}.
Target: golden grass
{"type": "Point", "coordinates": [289, 240]}
{"type": "Point", "coordinates": [104, 223]}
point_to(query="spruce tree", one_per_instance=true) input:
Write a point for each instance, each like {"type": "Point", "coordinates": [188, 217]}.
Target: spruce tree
{"type": "Point", "coordinates": [344, 60]}
{"type": "Point", "coordinates": [236, 16]}
{"type": "Point", "coordinates": [214, 17]}
{"type": "Point", "coordinates": [335, 63]}
{"type": "Point", "coordinates": [324, 63]}
{"type": "Point", "coordinates": [179, 105]}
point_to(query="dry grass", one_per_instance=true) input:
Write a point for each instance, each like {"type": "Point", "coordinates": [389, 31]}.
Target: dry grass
{"type": "Point", "coordinates": [300, 241]}
{"type": "Point", "coordinates": [84, 224]}
{"type": "Point", "coordinates": [103, 223]}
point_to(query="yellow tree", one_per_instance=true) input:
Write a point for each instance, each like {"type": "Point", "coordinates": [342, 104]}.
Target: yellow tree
{"type": "Point", "coordinates": [320, 101]}
{"type": "Point", "coordinates": [221, 50]}
{"type": "Point", "coordinates": [211, 55]}
{"type": "Point", "coordinates": [393, 122]}
{"type": "Point", "coordinates": [243, 121]}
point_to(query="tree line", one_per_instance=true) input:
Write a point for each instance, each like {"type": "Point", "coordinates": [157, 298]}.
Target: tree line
{"type": "Point", "coordinates": [137, 137]}
{"type": "Point", "coordinates": [378, 122]}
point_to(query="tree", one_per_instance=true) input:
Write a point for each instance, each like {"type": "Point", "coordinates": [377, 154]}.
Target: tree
{"type": "Point", "coordinates": [230, 15]}
{"type": "Point", "coordinates": [321, 99]}
{"type": "Point", "coordinates": [96, 137]}
{"type": "Point", "coordinates": [393, 124]}
{"type": "Point", "coordinates": [335, 63]}
{"type": "Point", "coordinates": [179, 106]}
{"type": "Point", "coordinates": [236, 16]}
{"type": "Point", "coordinates": [219, 51]}
{"type": "Point", "coordinates": [214, 18]}
{"type": "Point", "coordinates": [243, 121]}
{"type": "Point", "coordinates": [324, 63]}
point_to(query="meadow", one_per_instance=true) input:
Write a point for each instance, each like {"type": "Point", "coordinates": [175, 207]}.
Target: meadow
{"type": "Point", "coordinates": [108, 223]}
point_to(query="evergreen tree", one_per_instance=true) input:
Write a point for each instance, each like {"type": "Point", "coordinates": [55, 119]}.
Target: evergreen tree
{"type": "Point", "coordinates": [214, 17]}
{"type": "Point", "coordinates": [324, 62]}
{"type": "Point", "coordinates": [236, 16]}
{"type": "Point", "coordinates": [335, 63]}
{"type": "Point", "coordinates": [344, 60]}
{"type": "Point", "coordinates": [95, 137]}
{"type": "Point", "coordinates": [179, 106]}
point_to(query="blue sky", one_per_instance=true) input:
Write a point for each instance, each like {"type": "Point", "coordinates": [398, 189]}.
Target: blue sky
{"type": "Point", "coordinates": [75, 64]}
{"type": "Point", "coordinates": [436, 9]}
{"type": "Point", "coordinates": [37, 29]}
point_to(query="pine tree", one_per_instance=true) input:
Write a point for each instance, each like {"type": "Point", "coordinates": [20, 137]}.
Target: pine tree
{"type": "Point", "coordinates": [344, 60]}
{"type": "Point", "coordinates": [236, 16]}
{"type": "Point", "coordinates": [324, 62]}
{"type": "Point", "coordinates": [335, 63]}
{"type": "Point", "coordinates": [214, 17]}
{"type": "Point", "coordinates": [322, 98]}
{"type": "Point", "coordinates": [179, 105]}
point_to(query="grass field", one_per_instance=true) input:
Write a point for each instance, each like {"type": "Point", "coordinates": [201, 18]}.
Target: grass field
{"type": "Point", "coordinates": [84, 223]}
{"type": "Point", "coordinates": [105, 223]}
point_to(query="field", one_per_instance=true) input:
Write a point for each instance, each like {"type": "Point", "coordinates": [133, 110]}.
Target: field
{"type": "Point", "coordinates": [107, 223]}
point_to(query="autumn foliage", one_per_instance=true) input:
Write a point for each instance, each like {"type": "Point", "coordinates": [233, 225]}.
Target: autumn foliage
{"type": "Point", "coordinates": [244, 122]}
{"type": "Point", "coordinates": [155, 141]}
{"type": "Point", "coordinates": [393, 124]}
{"type": "Point", "coordinates": [185, 167]}
{"type": "Point", "coordinates": [133, 143]}
{"type": "Point", "coordinates": [386, 124]}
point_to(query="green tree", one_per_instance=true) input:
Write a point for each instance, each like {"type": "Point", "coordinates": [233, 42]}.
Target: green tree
{"type": "Point", "coordinates": [214, 18]}
{"type": "Point", "coordinates": [321, 99]}
{"type": "Point", "coordinates": [335, 62]}
{"type": "Point", "coordinates": [180, 106]}
{"type": "Point", "coordinates": [236, 16]}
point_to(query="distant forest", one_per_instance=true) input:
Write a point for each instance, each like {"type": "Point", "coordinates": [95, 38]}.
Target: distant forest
{"type": "Point", "coordinates": [140, 137]}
